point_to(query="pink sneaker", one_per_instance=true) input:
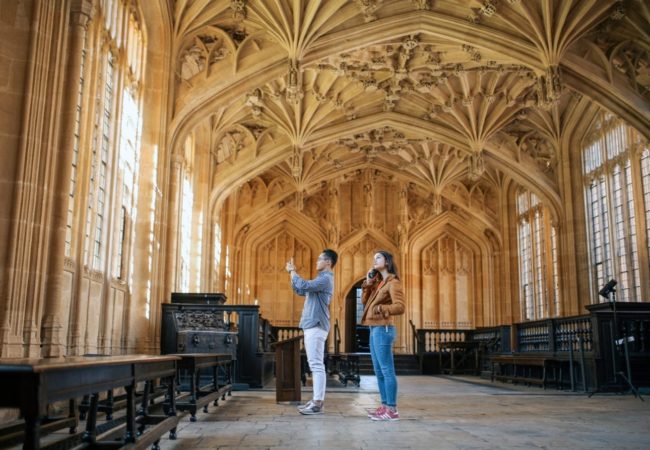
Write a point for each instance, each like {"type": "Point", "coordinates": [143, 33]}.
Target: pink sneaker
{"type": "Point", "coordinates": [377, 411]}
{"type": "Point", "coordinates": [387, 415]}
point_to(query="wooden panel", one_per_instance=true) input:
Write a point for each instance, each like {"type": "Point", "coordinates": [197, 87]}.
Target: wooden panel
{"type": "Point", "coordinates": [287, 370]}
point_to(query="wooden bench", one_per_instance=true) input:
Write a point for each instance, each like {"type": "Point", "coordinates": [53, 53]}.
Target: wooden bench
{"type": "Point", "coordinates": [201, 396]}
{"type": "Point", "coordinates": [13, 433]}
{"type": "Point", "coordinates": [521, 368]}
{"type": "Point", "coordinates": [31, 384]}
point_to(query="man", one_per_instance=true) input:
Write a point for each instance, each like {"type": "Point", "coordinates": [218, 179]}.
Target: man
{"type": "Point", "coordinates": [315, 322]}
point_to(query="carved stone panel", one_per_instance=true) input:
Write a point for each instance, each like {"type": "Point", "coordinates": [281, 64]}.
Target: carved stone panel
{"type": "Point", "coordinates": [448, 284]}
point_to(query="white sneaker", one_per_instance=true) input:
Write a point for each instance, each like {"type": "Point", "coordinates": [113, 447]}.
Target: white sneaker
{"type": "Point", "coordinates": [309, 404]}
{"type": "Point", "coordinates": [313, 409]}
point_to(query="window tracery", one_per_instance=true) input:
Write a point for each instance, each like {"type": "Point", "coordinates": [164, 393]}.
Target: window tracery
{"type": "Point", "coordinates": [614, 170]}
{"type": "Point", "coordinates": [110, 168]}
{"type": "Point", "coordinates": [539, 294]}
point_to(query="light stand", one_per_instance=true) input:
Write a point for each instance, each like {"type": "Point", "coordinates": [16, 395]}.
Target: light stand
{"type": "Point", "coordinates": [609, 292]}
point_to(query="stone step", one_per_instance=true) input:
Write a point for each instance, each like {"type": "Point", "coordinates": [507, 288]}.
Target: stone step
{"type": "Point", "coordinates": [404, 365]}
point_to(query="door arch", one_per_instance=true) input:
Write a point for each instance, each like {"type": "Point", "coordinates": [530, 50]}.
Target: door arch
{"type": "Point", "coordinates": [356, 336]}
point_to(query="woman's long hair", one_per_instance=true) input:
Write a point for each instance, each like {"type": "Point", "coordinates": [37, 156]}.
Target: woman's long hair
{"type": "Point", "coordinates": [390, 264]}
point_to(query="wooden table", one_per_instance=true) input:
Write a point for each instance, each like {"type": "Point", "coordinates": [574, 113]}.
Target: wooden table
{"type": "Point", "coordinates": [30, 384]}
{"type": "Point", "coordinates": [199, 396]}
{"type": "Point", "coordinates": [462, 349]}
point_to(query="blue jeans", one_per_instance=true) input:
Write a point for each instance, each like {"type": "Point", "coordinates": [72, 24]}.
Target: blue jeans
{"type": "Point", "coordinates": [381, 351]}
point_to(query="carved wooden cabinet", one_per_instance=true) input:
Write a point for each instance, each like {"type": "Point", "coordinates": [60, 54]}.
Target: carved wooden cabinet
{"type": "Point", "coordinates": [218, 328]}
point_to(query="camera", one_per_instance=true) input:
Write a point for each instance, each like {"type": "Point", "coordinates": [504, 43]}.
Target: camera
{"type": "Point", "coordinates": [608, 288]}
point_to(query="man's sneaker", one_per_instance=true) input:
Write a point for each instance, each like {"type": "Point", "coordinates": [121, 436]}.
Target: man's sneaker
{"type": "Point", "coordinates": [387, 415]}
{"type": "Point", "coordinates": [376, 411]}
{"type": "Point", "coordinates": [313, 409]}
{"type": "Point", "coordinates": [306, 405]}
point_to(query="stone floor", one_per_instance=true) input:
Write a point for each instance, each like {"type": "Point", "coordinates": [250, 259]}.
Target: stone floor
{"type": "Point", "coordinates": [436, 413]}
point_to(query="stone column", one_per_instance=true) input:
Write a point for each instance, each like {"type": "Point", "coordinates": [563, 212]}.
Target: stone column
{"type": "Point", "coordinates": [403, 224]}
{"type": "Point", "coordinates": [17, 43]}
{"type": "Point", "coordinates": [333, 216]}
{"type": "Point", "coordinates": [171, 255]}
{"type": "Point", "coordinates": [368, 199]}
{"type": "Point", "coordinates": [52, 339]}
{"type": "Point", "coordinates": [142, 305]}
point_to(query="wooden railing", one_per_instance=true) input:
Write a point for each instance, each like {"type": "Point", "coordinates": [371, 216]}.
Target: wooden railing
{"type": "Point", "coordinates": [555, 335]}
{"type": "Point", "coordinates": [493, 339]}
{"type": "Point", "coordinates": [591, 347]}
{"type": "Point", "coordinates": [430, 339]}
{"type": "Point", "coordinates": [573, 334]}
{"type": "Point", "coordinates": [283, 333]}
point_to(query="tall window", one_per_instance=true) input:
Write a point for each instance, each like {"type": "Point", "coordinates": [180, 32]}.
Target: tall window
{"type": "Point", "coordinates": [127, 173]}
{"type": "Point", "coordinates": [186, 232]}
{"type": "Point", "coordinates": [610, 161]}
{"type": "Point", "coordinates": [75, 154]}
{"type": "Point", "coordinates": [538, 259]}
{"type": "Point", "coordinates": [645, 182]}
{"type": "Point", "coordinates": [217, 252]}
{"type": "Point", "coordinates": [115, 144]}
{"type": "Point", "coordinates": [103, 164]}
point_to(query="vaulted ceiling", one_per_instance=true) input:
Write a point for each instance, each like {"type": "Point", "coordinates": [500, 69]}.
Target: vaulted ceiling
{"type": "Point", "coordinates": [437, 93]}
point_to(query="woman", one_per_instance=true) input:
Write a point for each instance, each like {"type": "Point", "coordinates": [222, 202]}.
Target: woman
{"type": "Point", "coordinates": [383, 298]}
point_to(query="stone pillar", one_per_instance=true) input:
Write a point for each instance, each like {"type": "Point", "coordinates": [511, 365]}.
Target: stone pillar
{"type": "Point", "coordinates": [16, 32]}
{"type": "Point", "coordinates": [142, 308]}
{"type": "Point", "coordinates": [29, 239]}
{"type": "Point", "coordinates": [52, 339]}
{"type": "Point", "coordinates": [171, 255]}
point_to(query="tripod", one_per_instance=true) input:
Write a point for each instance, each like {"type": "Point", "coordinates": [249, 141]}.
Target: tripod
{"type": "Point", "coordinates": [624, 375]}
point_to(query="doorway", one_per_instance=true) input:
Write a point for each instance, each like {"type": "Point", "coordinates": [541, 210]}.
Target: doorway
{"type": "Point", "coordinates": [357, 336]}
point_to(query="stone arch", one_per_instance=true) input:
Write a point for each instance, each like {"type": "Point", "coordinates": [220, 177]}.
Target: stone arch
{"type": "Point", "coordinates": [355, 254]}
{"type": "Point", "coordinates": [498, 155]}
{"type": "Point", "coordinates": [265, 247]}
{"type": "Point", "coordinates": [437, 25]}
{"type": "Point", "coordinates": [227, 143]}
{"type": "Point", "coordinates": [366, 241]}
{"type": "Point", "coordinates": [199, 51]}
{"type": "Point", "coordinates": [469, 243]}
{"type": "Point", "coordinates": [254, 40]}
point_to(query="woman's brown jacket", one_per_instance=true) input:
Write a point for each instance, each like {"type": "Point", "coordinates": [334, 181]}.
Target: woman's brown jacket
{"type": "Point", "coordinates": [388, 295]}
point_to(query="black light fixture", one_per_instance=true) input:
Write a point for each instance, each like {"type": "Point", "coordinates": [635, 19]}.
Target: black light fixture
{"type": "Point", "coordinates": [608, 288]}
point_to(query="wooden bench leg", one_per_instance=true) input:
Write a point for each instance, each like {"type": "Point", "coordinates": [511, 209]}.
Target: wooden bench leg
{"type": "Point", "coordinates": [90, 434]}
{"type": "Point", "coordinates": [171, 393]}
{"type": "Point", "coordinates": [193, 397]}
{"type": "Point", "coordinates": [32, 431]}
{"type": "Point", "coordinates": [130, 435]}
{"type": "Point", "coordinates": [72, 405]}
{"type": "Point", "coordinates": [215, 375]}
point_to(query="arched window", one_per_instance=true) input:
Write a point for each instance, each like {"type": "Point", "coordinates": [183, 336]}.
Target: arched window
{"type": "Point", "coordinates": [187, 201]}
{"type": "Point", "coordinates": [107, 139]}
{"type": "Point", "coordinates": [75, 152]}
{"type": "Point", "coordinates": [614, 173]}
{"type": "Point", "coordinates": [539, 290]}
{"type": "Point", "coordinates": [186, 216]}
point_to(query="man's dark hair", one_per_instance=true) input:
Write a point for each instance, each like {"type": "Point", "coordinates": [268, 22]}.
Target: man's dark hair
{"type": "Point", "coordinates": [331, 255]}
